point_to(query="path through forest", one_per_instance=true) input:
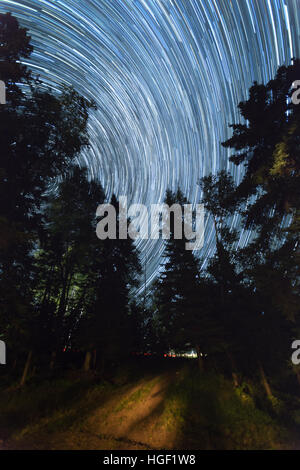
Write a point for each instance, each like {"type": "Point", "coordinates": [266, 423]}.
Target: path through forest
{"type": "Point", "coordinates": [132, 418]}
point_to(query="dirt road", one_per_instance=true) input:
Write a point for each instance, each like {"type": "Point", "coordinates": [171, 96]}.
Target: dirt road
{"type": "Point", "coordinates": [133, 418]}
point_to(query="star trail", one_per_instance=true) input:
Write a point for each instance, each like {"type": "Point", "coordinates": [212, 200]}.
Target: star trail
{"type": "Point", "coordinates": [167, 76]}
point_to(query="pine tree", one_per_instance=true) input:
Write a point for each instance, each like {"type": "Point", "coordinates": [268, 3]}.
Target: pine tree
{"type": "Point", "coordinates": [181, 314]}
{"type": "Point", "coordinates": [268, 144]}
{"type": "Point", "coordinates": [108, 328]}
{"type": "Point", "coordinates": [218, 198]}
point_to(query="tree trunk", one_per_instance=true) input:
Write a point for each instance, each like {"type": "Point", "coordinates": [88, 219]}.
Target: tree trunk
{"type": "Point", "coordinates": [200, 359]}
{"type": "Point", "coordinates": [26, 368]}
{"type": "Point", "coordinates": [101, 369]}
{"type": "Point", "coordinates": [233, 369]}
{"type": "Point", "coordinates": [52, 360]}
{"type": "Point", "coordinates": [87, 361]}
{"type": "Point", "coordinates": [297, 371]}
{"type": "Point", "coordinates": [94, 359]}
{"type": "Point", "coordinates": [264, 380]}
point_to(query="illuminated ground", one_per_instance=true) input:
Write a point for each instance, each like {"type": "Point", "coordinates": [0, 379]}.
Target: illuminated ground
{"type": "Point", "coordinates": [130, 419]}
{"type": "Point", "coordinates": [177, 409]}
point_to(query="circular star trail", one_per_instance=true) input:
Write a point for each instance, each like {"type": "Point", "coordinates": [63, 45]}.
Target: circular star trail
{"type": "Point", "coordinates": [167, 76]}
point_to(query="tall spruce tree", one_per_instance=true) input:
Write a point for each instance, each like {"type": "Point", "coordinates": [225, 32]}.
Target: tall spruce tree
{"type": "Point", "coordinates": [182, 316]}
{"type": "Point", "coordinates": [267, 143]}
{"type": "Point", "coordinates": [218, 198]}
{"type": "Point", "coordinates": [108, 328]}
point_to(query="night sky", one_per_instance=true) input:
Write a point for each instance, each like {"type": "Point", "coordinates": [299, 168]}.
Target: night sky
{"type": "Point", "coordinates": [167, 76]}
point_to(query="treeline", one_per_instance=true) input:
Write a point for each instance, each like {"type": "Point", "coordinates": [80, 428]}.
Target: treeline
{"type": "Point", "coordinates": [63, 289]}
{"type": "Point", "coordinates": [241, 307]}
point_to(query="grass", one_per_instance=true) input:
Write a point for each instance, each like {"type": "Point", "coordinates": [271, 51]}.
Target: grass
{"type": "Point", "coordinates": [136, 396]}
{"type": "Point", "coordinates": [56, 403]}
{"type": "Point", "coordinates": [209, 413]}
